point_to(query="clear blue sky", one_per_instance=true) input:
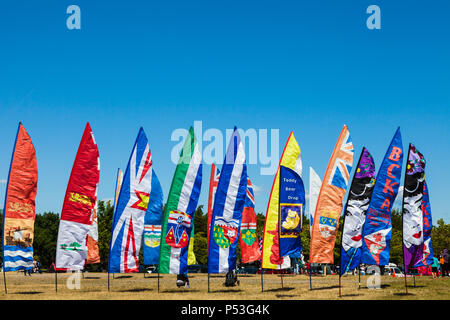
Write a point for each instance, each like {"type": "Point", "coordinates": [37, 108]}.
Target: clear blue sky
{"type": "Point", "coordinates": [307, 66]}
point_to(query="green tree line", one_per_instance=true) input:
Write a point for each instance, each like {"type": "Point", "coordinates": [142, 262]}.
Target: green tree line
{"type": "Point", "coordinates": [47, 223]}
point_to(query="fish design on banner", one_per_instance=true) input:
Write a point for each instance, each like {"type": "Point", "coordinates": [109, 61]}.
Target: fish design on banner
{"type": "Point", "coordinates": [377, 227]}
{"type": "Point", "coordinates": [19, 209]}
{"type": "Point", "coordinates": [228, 206]}
{"type": "Point", "coordinates": [355, 212]}
{"type": "Point", "coordinates": [79, 204]}
{"type": "Point", "coordinates": [412, 208]}
{"type": "Point", "coordinates": [329, 204]}
{"type": "Point", "coordinates": [132, 203]}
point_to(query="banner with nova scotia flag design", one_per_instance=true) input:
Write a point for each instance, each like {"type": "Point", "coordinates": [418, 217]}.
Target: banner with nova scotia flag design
{"type": "Point", "coordinates": [228, 206]}
{"type": "Point", "coordinates": [179, 212]}
{"type": "Point", "coordinates": [132, 203]}
{"type": "Point", "coordinates": [329, 204]}
{"type": "Point", "coordinates": [19, 212]}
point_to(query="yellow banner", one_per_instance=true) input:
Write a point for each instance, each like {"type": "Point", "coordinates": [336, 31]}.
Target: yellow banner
{"type": "Point", "coordinates": [291, 158]}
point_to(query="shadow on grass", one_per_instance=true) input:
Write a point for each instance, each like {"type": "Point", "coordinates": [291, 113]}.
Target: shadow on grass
{"type": "Point", "coordinates": [280, 289]}
{"type": "Point", "coordinates": [350, 295]}
{"type": "Point", "coordinates": [381, 287]}
{"type": "Point", "coordinates": [417, 286]}
{"type": "Point", "coordinates": [284, 295]}
{"type": "Point", "coordinates": [226, 291]}
{"type": "Point", "coordinates": [179, 291]}
{"type": "Point", "coordinates": [122, 277]}
{"type": "Point", "coordinates": [137, 290]}
{"type": "Point", "coordinates": [91, 278]}
{"type": "Point", "coordinates": [27, 292]}
{"type": "Point", "coordinates": [325, 288]}
{"type": "Point", "coordinates": [403, 294]}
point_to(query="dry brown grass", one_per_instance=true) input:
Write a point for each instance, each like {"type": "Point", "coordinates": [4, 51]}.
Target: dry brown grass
{"type": "Point", "coordinates": [94, 286]}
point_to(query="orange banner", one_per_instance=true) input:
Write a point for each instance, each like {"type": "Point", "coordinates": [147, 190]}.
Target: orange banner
{"type": "Point", "coordinates": [329, 204]}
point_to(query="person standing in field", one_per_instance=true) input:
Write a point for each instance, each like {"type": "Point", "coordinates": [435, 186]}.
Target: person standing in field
{"type": "Point", "coordinates": [435, 267]}
{"type": "Point", "coordinates": [441, 262]}
{"type": "Point", "coordinates": [446, 267]}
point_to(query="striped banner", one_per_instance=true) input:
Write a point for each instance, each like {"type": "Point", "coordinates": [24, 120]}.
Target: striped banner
{"type": "Point", "coordinates": [180, 209]}
{"type": "Point", "coordinates": [227, 211]}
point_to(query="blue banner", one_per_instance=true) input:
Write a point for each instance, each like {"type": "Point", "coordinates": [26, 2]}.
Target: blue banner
{"type": "Point", "coordinates": [292, 202]}
{"type": "Point", "coordinates": [377, 228]}
{"type": "Point", "coordinates": [227, 211]}
{"type": "Point", "coordinates": [152, 223]}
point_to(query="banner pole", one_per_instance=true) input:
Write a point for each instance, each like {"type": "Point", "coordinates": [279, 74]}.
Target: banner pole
{"type": "Point", "coordinates": [359, 277]}
{"type": "Point", "coordinates": [108, 281]}
{"type": "Point", "coordinates": [262, 279]}
{"type": "Point", "coordinates": [340, 294]}
{"type": "Point", "coordinates": [56, 280]}
{"type": "Point", "coordinates": [158, 278]}
{"type": "Point", "coordinates": [4, 279]}
{"type": "Point", "coordinates": [208, 280]}
{"type": "Point", "coordinates": [282, 287]}
{"type": "Point", "coordinates": [414, 280]}
{"type": "Point", "coordinates": [406, 284]}
{"type": "Point", "coordinates": [310, 283]}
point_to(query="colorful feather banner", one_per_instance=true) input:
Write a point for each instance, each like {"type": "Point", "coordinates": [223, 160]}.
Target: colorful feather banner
{"type": "Point", "coordinates": [213, 182]}
{"type": "Point", "coordinates": [249, 245]}
{"type": "Point", "coordinates": [79, 203]}
{"type": "Point", "coordinates": [427, 257]}
{"type": "Point", "coordinates": [412, 208]}
{"type": "Point", "coordinates": [118, 186]}
{"type": "Point", "coordinates": [377, 228]}
{"type": "Point", "coordinates": [292, 202]}
{"type": "Point", "coordinates": [314, 188]}
{"type": "Point", "coordinates": [132, 203]}
{"type": "Point", "coordinates": [152, 223]}
{"type": "Point", "coordinates": [179, 212]}
{"type": "Point", "coordinates": [19, 209]}
{"type": "Point", "coordinates": [93, 254]}
{"type": "Point", "coordinates": [329, 203]}
{"type": "Point", "coordinates": [355, 212]}
{"type": "Point", "coordinates": [290, 158]}
{"type": "Point", "coordinates": [228, 206]}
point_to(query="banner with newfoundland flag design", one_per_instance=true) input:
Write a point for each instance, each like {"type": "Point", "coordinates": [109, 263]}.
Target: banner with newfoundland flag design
{"type": "Point", "coordinates": [179, 212]}
{"type": "Point", "coordinates": [129, 214]}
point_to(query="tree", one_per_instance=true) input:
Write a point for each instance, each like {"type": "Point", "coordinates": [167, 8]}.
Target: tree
{"type": "Point", "coordinates": [45, 237]}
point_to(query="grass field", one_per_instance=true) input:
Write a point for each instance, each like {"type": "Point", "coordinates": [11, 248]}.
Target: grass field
{"type": "Point", "coordinates": [94, 286]}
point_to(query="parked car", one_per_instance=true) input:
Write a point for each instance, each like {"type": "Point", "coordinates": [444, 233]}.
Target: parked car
{"type": "Point", "coordinates": [248, 270]}
{"type": "Point", "coordinates": [195, 268]}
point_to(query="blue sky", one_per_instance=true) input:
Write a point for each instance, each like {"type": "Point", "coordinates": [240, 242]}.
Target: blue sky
{"type": "Point", "coordinates": [306, 66]}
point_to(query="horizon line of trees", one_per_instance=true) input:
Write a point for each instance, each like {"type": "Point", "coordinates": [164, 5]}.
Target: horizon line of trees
{"type": "Point", "coordinates": [47, 224]}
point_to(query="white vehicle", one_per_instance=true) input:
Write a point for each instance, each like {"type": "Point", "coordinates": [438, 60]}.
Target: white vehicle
{"type": "Point", "coordinates": [391, 268]}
